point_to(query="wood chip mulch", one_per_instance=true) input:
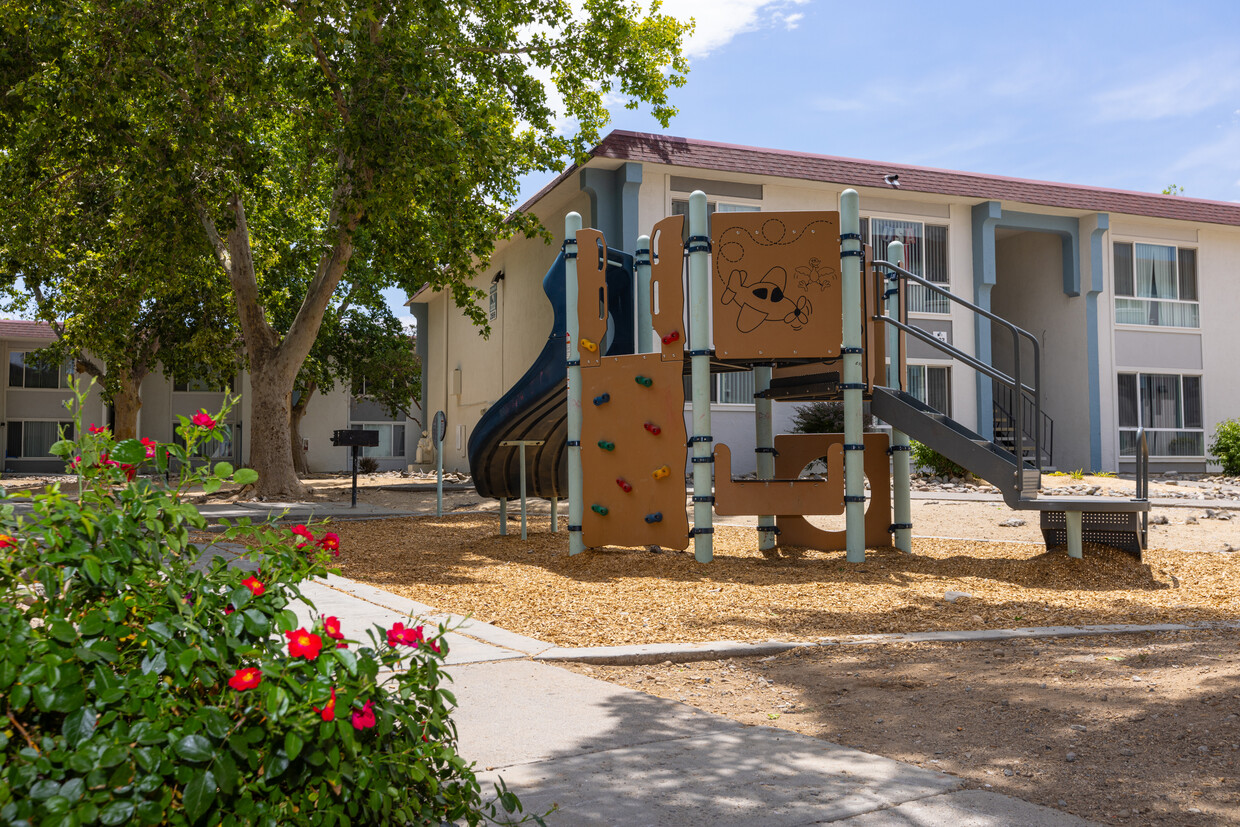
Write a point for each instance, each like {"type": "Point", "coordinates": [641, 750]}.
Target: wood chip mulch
{"type": "Point", "coordinates": [617, 596]}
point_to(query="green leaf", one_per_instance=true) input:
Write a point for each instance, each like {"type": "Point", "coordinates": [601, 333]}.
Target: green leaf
{"type": "Point", "coordinates": [62, 630]}
{"type": "Point", "coordinates": [222, 469]}
{"type": "Point", "coordinates": [193, 748]}
{"type": "Point", "coordinates": [154, 664]}
{"type": "Point", "coordinates": [92, 624]}
{"type": "Point", "coordinates": [245, 476]}
{"type": "Point", "coordinates": [79, 725]}
{"type": "Point", "coordinates": [239, 597]}
{"type": "Point", "coordinates": [160, 631]}
{"type": "Point", "coordinates": [211, 485]}
{"type": "Point", "coordinates": [118, 812]}
{"type": "Point", "coordinates": [349, 659]}
{"type": "Point", "coordinates": [225, 772]}
{"type": "Point", "coordinates": [128, 452]}
{"type": "Point", "coordinates": [256, 622]}
{"type": "Point", "coordinates": [185, 660]}
{"type": "Point", "coordinates": [199, 795]}
{"type": "Point", "coordinates": [293, 744]}
{"type": "Point", "coordinates": [90, 566]}
{"type": "Point", "coordinates": [62, 448]}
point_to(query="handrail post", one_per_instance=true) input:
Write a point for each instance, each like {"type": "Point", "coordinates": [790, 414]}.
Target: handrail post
{"type": "Point", "coordinates": [1018, 424]}
{"type": "Point", "coordinates": [699, 345]}
{"type": "Point", "coordinates": [901, 485]}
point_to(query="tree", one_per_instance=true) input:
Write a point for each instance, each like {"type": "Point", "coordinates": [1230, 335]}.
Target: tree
{"type": "Point", "coordinates": [125, 288]}
{"type": "Point", "coordinates": [291, 128]}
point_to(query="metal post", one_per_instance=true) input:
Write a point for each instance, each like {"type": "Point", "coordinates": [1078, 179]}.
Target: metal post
{"type": "Point", "coordinates": [354, 449]}
{"type": "Point", "coordinates": [439, 479]}
{"type": "Point", "coordinates": [765, 442]}
{"type": "Point", "coordinates": [503, 516]}
{"type": "Point", "coordinates": [854, 460]}
{"type": "Point", "coordinates": [1072, 520]}
{"type": "Point", "coordinates": [555, 515]}
{"type": "Point", "coordinates": [699, 345]}
{"type": "Point", "coordinates": [576, 543]}
{"type": "Point", "coordinates": [645, 322]}
{"type": "Point", "coordinates": [522, 450]}
{"type": "Point", "coordinates": [900, 483]}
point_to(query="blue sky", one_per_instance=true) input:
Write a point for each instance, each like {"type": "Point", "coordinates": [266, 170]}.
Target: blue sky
{"type": "Point", "coordinates": [1131, 95]}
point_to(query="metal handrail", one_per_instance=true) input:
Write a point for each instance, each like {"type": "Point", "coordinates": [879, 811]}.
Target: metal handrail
{"type": "Point", "coordinates": [1143, 482]}
{"type": "Point", "coordinates": [1003, 405]}
{"type": "Point", "coordinates": [1016, 382]}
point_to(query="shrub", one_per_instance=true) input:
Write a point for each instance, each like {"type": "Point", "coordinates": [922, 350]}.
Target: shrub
{"type": "Point", "coordinates": [818, 418]}
{"type": "Point", "coordinates": [140, 688]}
{"type": "Point", "coordinates": [1225, 446]}
{"type": "Point", "coordinates": [926, 457]}
{"type": "Point", "coordinates": [367, 465]}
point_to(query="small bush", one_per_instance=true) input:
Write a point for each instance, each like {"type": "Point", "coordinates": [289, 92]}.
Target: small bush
{"type": "Point", "coordinates": [818, 418]}
{"type": "Point", "coordinates": [926, 457]}
{"type": "Point", "coordinates": [140, 688]}
{"type": "Point", "coordinates": [367, 465]}
{"type": "Point", "coordinates": [1225, 446]}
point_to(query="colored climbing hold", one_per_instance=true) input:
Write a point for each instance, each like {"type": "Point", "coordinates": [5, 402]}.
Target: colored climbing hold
{"type": "Point", "coordinates": [588, 345]}
{"type": "Point", "coordinates": [656, 517]}
{"type": "Point", "coordinates": [671, 337]}
{"type": "Point", "coordinates": [602, 399]}
{"type": "Point", "coordinates": [653, 428]}
{"type": "Point", "coordinates": [606, 446]}
{"type": "Point", "coordinates": [662, 472]}
{"type": "Point", "coordinates": [599, 509]}
{"type": "Point", "coordinates": [624, 484]}
{"type": "Point", "coordinates": [645, 381]}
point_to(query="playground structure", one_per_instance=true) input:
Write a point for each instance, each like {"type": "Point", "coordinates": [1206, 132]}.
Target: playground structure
{"type": "Point", "coordinates": [797, 298]}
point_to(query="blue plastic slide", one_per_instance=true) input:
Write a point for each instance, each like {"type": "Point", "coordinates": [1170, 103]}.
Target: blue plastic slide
{"type": "Point", "coordinates": [536, 407]}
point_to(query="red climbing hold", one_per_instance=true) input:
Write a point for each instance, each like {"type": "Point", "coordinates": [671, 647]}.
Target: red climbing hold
{"type": "Point", "coordinates": [624, 485]}
{"type": "Point", "coordinates": [653, 428]}
{"type": "Point", "coordinates": [671, 337]}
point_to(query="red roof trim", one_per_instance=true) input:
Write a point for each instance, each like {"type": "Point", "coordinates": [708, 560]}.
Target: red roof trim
{"type": "Point", "coordinates": [686, 152]}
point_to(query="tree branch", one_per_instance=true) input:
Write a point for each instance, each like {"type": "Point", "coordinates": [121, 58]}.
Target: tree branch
{"type": "Point", "coordinates": [260, 338]}
{"type": "Point", "coordinates": [219, 250]}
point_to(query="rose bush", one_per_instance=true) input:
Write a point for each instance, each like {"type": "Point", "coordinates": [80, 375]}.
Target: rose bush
{"type": "Point", "coordinates": [142, 684]}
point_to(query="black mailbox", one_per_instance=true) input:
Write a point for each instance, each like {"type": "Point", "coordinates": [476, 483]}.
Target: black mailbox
{"type": "Point", "coordinates": [356, 436]}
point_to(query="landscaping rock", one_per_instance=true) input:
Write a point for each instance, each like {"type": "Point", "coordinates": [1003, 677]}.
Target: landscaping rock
{"type": "Point", "coordinates": [952, 597]}
{"type": "Point", "coordinates": [1014, 522]}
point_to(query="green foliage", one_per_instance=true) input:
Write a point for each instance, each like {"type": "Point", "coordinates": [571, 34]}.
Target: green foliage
{"type": "Point", "coordinates": [1225, 446]}
{"type": "Point", "coordinates": [1078, 474]}
{"type": "Point", "coordinates": [367, 465]}
{"type": "Point", "coordinates": [140, 688]}
{"type": "Point", "coordinates": [818, 418]}
{"type": "Point", "coordinates": [926, 457]}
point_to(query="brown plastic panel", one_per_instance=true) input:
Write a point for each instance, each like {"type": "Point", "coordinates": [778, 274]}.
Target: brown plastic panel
{"type": "Point", "coordinates": [591, 295]}
{"type": "Point", "coordinates": [667, 286]}
{"type": "Point", "coordinates": [638, 452]}
{"type": "Point", "coordinates": [875, 331]}
{"type": "Point", "coordinates": [776, 285]}
{"type": "Point", "coordinates": [798, 450]}
{"type": "Point", "coordinates": [781, 496]}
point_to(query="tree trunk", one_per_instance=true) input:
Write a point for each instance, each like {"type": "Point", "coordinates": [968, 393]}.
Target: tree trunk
{"type": "Point", "coordinates": [126, 403]}
{"type": "Point", "coordinates": [271, 455]}
{"type": "Point", "coordinates": [296, 413]}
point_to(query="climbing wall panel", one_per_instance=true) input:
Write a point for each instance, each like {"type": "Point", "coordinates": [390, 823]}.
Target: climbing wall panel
{"type": "Point", "coordinates": [776, 288]}
{"type": "Point", "coordinates": [633, 452]}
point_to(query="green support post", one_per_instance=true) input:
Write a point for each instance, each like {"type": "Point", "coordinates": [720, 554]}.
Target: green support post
{"type": "Point", "coordinates": [576, 543]}
{"type": "Point", "coordinates": [1072, 521]}
{"type": "Point", "coordinates": [765, 443]}
{"type": "Point", "coordinates": [854, 460]}
{"type": "Point", "coordinates": [900, 484]}
{"type": "Point", "coordinates": [699, 344]}
{"type": "Point", "coordinates": [503, 516]}
{"type": "Point", "coordinates": [555, 515]}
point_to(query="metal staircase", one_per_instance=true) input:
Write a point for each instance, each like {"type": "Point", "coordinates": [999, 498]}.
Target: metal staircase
{"type": "Point", "coordinates": [1005, 426]}
{"type": "Point", "coordinates": [1121, 523]}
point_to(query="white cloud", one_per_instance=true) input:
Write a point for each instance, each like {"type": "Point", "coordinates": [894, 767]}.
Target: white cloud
{"type": "Point", "coordinates": [791, 21]}
{"type": "Point", "coordinates": [1187, 89]}
{"type": "Point", "coordinates": [720, 21]}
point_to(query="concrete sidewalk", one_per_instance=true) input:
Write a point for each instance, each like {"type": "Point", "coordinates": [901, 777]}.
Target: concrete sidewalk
{"type": "Point", "coordinates": [608, 755]}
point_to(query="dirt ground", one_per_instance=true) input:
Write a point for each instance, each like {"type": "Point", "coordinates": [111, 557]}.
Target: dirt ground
{"type": "Point", "coordinates": [1120, 729]}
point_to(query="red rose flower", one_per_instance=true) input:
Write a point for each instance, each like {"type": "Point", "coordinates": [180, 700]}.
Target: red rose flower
{"type": "Point", "coordinates": [328, 712]}
{"type": "Point", "coordinates": [247, 678]}
{"type": "Point", "coordinates": [97, 429]}
{"type": "Point", "coordinates": [330, 542]}
{"type": "Point", "coordinates": [365, 718]}
{"type": "Point", "coordinates": [303, 644]}
{"type": "Point", "coordinates": [256, 588]}
{"type": "Point", "coordinates": [228, 610]}
{"type": "Point", "coordinates": [150, 446]}
{"type": "Point", "coordinates": [203, 420]}
{"type": "Point", "coordinates": [7, 542]}
{"type": "Point", "coordinates": [398, 634]}
{"type": "Point", "coordinates": [331, 627]}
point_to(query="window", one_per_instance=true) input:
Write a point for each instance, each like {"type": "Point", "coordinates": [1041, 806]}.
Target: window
{"type": "Point", "coordinates": [199, 386]}
{"type": "Point", "coordinates": [34, 440]}
{"type": "Point", "coordinates": [391, 439]}
{"type": "Point", "coordinates": [932, 385]}
{"type": "Point", "coordinates": [681, 207]}
{"type": "Point", "coordinates": [925, 255]}
{"type": "Point", "coordinates": [1156, 285]}
{"type": "Point", "coordinates": [211, 449]}
{"type": "Point", "coordinates": [494, 299]}
{"type": "Point", "coordinates": [726, 388]}
{"type": "Point", "coordinates": [27, 372]}
{"type": "Point", "coordinates": [1168, 406]}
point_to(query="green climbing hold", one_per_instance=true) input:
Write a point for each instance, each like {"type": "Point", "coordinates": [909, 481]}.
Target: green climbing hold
{"type": "Point", "coordinates": [606, 446]}
{"type": "Point", "coordinates": [645, 381]}
{"type": "Point", "coordinates": [599, 509]}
